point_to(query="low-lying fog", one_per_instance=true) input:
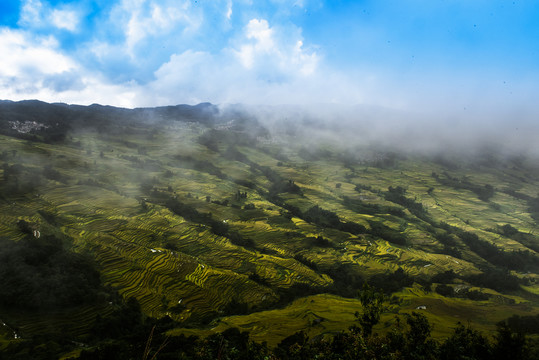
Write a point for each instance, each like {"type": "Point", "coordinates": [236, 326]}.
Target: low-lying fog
{"type": "Point", "coordinates": [399, 130]}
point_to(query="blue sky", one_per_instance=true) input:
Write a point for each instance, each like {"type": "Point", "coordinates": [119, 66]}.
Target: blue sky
{"type": "Point", "coordinates": [459, 56]}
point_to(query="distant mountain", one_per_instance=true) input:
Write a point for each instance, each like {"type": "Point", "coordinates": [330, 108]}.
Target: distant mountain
{"type": "Point", "coordinates": [53, 121]}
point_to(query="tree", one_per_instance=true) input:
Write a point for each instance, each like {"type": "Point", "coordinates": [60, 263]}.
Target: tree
{"type": "Point", "coordinates": [419, 344]}
{"type": "Point", "coordinates": [509, 345]}
{"type": "Point", "coordinates": [373, 306]}
{"type": "Point", "coordinates": [466, 344]}
{"type": "Point", "coordinates": [24, 226]}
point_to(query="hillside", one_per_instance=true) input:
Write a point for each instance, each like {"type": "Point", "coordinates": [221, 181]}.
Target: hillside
{"type": "Point", "coordinates": [217, 220]}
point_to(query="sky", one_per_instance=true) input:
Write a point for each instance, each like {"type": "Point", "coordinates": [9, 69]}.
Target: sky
{"type": "Point", "coordinates": [457, 58]}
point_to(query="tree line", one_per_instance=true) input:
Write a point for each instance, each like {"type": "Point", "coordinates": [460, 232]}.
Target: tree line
{"type": "Point", "coordinates": [127, 334]}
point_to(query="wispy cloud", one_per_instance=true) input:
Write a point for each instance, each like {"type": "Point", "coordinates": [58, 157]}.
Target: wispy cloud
{"type": "Point", "coordinates": [31, 13]}
{"type": "Point", "coordinates": [155, 21]}
{"type": "Point", "coordinates": [65, 19]}
{"type": "Point", "coordinates": [38, 14]}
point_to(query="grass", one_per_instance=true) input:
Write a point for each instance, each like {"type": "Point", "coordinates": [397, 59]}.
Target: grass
{"type": "Point", "coordinates": [272, 326]}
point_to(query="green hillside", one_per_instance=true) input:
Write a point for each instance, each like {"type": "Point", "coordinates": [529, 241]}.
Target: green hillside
{"type": "Point", "coordinates": [210, 221]}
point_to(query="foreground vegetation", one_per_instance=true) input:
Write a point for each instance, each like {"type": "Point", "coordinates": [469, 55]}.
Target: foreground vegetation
{"type": "Point", "coordinates": [210, 222]}
{"type": "Point", "coordinates": [128, 334]}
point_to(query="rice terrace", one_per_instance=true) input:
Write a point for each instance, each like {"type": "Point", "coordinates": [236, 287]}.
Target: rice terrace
{"type": "Point", "coordinates": [196, 222]}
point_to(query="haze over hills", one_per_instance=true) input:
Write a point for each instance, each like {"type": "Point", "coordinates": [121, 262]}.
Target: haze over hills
{"type": "Point", "coordinates": [204, 218]}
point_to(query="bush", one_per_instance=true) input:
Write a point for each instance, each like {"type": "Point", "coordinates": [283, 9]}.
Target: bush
{"type": "Point", "coordinates": [516, 260]}
{"type": "Point", "coordinates": [346, 279]}
{"type": "Point", "coordinates": [391, 282]}
{"type": "Point", "coordinates": [24, 227]}
{"type": "Point", "coordinates": [444, 278]}
{"type": "Point", "coordinates": [380, 230]}
{"type": "Point", "coordinates": [476, 295]}
{"type": "Point", "coordinates": [322, 217]}
{"type": "Point", "coordinates": [320, 242]}
{"type": "Point", "coordinates": [445, 290]}
{"type": "Point", "coordinates": [497, 279]}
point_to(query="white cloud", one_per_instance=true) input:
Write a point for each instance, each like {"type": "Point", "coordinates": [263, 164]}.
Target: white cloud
{"type": "Point", "coordinates": [31, 13]}
{"type": "Point", "coordinates": [135, 37]}
{"type": "Point", "coordinates": [65, 19]}
{"type": "Point", "coordinates": [28, 57]}
{"type": "Point", "coordinates": [143, 19]}
{"type": "Point", "coordinates": [189, 77]}
{"type": "Point", "coordinates": [279, 53]}
{"type": "Point", "coordinates": [229, 9]}
{"type": "Point", "coordinates": [35, 14]}
{"type": "Point", "coordinates": [260, 31]}
{"type": "Point", "coordinates": [264, 65]}
{"type": "Point", "coordinates": [37, 69]}
{"type": "Point", "coordinates": [260, 62]}
{"type": "Point", "coordinates": [306, 63]}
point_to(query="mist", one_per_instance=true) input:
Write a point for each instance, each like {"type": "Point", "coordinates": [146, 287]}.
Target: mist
{"type": "Point", "coordinates": [422, 133]}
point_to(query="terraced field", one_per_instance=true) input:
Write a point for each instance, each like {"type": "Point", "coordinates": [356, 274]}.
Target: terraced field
{"type": "Point", "coordinates": [214, 226]}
